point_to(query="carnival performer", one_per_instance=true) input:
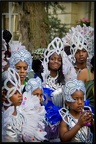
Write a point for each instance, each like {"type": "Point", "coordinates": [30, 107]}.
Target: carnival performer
{"type": "Point", "coordinates": [21, 61]}
{"type": "Point", "coordinates": [34, 85]}
{"type": "Point", "coordinates": [77, 120]}
{"type": "Point", "coordinates": [81, 42]}
{"type": "Point", "coordinates": [21, 122]}
{"type": "Point", "coordinates": [12, 120]}
{"type": "Point", "coordinates": [56, 70]}
{"type": "Point", "coordinates": [52, 116]}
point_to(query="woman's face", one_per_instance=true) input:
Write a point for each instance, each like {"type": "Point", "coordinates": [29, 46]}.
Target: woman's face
{"type": "Point", "coordinates": [22, 70]}
{"type": "Point", "coordinates": [55, 62]}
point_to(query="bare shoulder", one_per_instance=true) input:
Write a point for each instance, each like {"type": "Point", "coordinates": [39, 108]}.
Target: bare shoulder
{"type": "Point", "coordinates": [85, 70]}
{"type": "Point", "coordinates": [83, 75]}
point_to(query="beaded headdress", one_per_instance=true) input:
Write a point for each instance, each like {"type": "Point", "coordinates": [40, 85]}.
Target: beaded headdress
{"type": "Point", "coordinates": [20, 54]}
{"type": "Point", "coordinates": [71, 86]}
{"type": "Point", "coordinates": [56, 46]}
{"type": "Point", "coordinates": [33, 84]}
{"type": "Point", "coordinates": [11, 84]}
{"type": "Point", "coordinates": [80, 38]}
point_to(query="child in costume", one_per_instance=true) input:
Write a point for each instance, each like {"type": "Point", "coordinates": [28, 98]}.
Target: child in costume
{"type": "Point", "coordinates": [21, 122]}
{"type": "Point", "coordinates": [52, 117]}
{"type": "Point", "coordinates": [12, 120]}
{"type": "Point", "coordinates": [76, 124]}
{"type": "Point", "coordinates": [34, 85]}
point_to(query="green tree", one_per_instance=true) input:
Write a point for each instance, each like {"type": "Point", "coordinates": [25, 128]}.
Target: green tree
{"type": "Point", "coordinates": [56, 28]}
{"type": "Point", "coordinates": [37, 25]}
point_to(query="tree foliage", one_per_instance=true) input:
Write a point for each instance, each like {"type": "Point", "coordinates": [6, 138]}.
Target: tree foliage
{"type": "Point", "coordinates": [56, 28]}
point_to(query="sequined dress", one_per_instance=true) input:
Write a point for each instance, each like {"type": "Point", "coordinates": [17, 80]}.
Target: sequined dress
{"type": "Point", "coordinates": [11, 126]}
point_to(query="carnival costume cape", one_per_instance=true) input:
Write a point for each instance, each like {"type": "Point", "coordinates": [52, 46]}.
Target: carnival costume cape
{"type": "Point", "coordinates": [33, 129]}
{"type": "Point", "coordinates": [52, 117]}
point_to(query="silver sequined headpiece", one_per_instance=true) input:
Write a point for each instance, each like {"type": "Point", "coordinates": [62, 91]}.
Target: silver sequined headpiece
{"type": "Point", "coordinates": [71, 86]}
{"type": "Point", "coordinates": [21, 54]}
{"type": "Point", "coordinates": [33, 84]}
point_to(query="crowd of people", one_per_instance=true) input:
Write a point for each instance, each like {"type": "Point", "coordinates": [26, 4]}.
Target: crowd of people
{"type": "Point", "coordinates": [49, 100]}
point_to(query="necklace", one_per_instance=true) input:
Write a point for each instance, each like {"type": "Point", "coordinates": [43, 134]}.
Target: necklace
{"type": "Point", "coordinates": [51, 82]}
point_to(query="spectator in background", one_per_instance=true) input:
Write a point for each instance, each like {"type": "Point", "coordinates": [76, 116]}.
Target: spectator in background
{"type": "Point", "coordinates": [37, 68]}
{"type": "Point", "coordinates": [7, 37]}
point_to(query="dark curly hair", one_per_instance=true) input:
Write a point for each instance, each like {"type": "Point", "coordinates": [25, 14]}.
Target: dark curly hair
{"type": "Point", "coordinates": [7, 36]}
{"type": "Point", "coordinates": [92, 63]}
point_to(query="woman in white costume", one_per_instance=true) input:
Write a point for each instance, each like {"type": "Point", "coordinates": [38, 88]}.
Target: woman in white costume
{"type": "Point", "coordinates": [57, 70]}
